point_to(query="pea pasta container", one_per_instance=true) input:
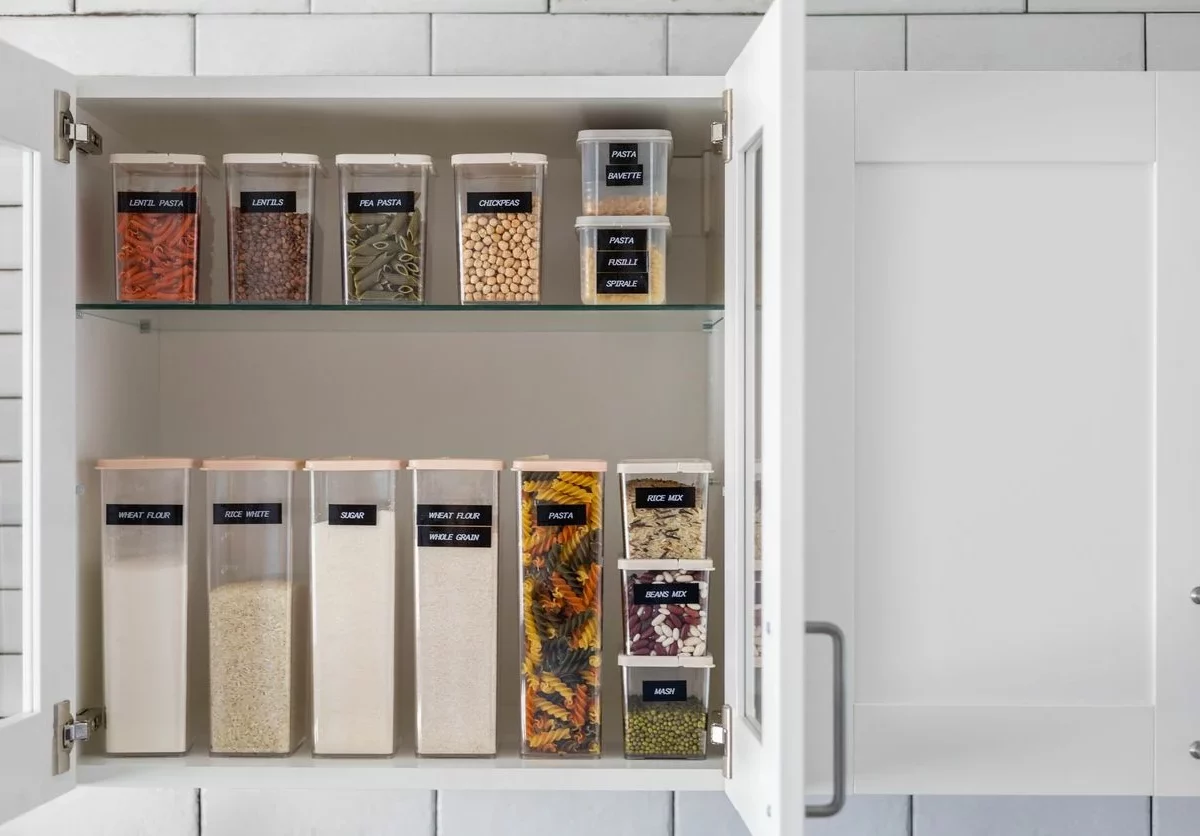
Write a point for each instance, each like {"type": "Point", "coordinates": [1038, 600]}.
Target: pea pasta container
{"type": "Point", "coordinates": [665, 508]}
{"type": "Point", "coordinates": [561, 508]}
{"type": "Point", "coordinates": [499, 226]}
{"type": "Point", "coordinates": [257, 609]}
{"type": "Point", "coordinates": [625, 172]}
{"type": "Point", "coordinates": [353, 573]}
{"type": "Point", "coordinates": [144, 580]}
{"type": "Point", "coordinates": [270, 224]}
{"type": "Point", "coordinates": [665, 606]}
{"type": "Point", "coordinates": [456, 548]}
{"type": "Point", "coordinates": [666, 706]}
{"type": "Point", "coordinates": [157, 210]}
{"type": "Point", "coordinates": [384, 208]}
{"type": "Point", "coordinates": [623, 260]}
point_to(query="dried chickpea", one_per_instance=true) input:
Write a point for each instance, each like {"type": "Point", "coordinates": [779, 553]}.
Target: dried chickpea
{"type": "Point", "coordinates": [492, 247]}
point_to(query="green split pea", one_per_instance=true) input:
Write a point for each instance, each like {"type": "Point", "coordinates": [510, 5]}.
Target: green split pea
{"type": "Point", "coordinates": [665, 729]}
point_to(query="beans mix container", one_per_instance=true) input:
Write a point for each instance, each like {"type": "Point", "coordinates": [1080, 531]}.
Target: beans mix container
{"type": "Point", "coordinates": [561, 538]}
{"type": "Point", "coordinates": [665, 508]}
{"type": "Point", "coordinates": [456, 565]}
{"type": "Point", "coordinates": [157, 201]}
{"type": "Point", "coordinates": [144, 577]}
{"type": "Point", "coordinates": [257, 609]}
{"type": "Point", "coordinates": [666, 706]}
{"type": "Point", "coordinates": [665, 606]}
{"type": "Point", "coordinates": [384, 204]}
{"type": "Point", "coordinates": [499, 226]}
{"type": "Point", "coordinates": [623, 259]}
{"type": "Point", "coordinates": [625, 172]}
{"type": "Point", "coordinates": [353, 573]}
{"type": "Point", "coordinates": [270, 226]}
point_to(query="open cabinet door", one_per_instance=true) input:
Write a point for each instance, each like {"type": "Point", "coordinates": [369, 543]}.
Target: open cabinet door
{"type": "Point", "coordinates": [37, 435]}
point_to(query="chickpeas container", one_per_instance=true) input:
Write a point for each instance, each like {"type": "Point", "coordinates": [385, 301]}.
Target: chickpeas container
{"type": "Point", "coordinates": [270, 226]}
{"type": "Point", "coordinates": [384, 208]}
{"type": "Point", "coordinates": [499, 226]}
{"type": "Point", "coordinates": [623, 259]}
{"type": "Point", "coordinates": [666, 706]}
{"type": "Point", "coordinates": [625, 172]}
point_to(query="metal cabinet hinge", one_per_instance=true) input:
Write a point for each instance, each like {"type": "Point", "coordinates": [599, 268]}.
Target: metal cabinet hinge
{"type": "Point", "coordinates": [69, 134]}
{"type": "Point", "coordinates": [70, 729]}
{"type": "Point", "coordinates": [721, 133]}
{"type": "Point", "coordinates": [720, 733]}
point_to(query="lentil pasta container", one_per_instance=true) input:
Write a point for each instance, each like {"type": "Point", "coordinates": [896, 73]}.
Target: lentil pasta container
{"type": "Point", "coordinates": [625, 172]}
{"type": "Point", "coordinates": [666, 706]}
{"type": "Point", "coordinates": [353, 572]}
{"type": "Point", "coordinates": [561, 537]}
{"type": "Point", "coordinates": [623, 260]}
{"type": "Point", "coordinates": [257, 595]}
{"type": "Point", "coordinates": [456, 565]}
{"type": "Point", "coordinates": [665, 508]}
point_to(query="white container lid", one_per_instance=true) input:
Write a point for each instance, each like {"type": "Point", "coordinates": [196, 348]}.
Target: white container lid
{"type": "Point", "coordinates": [251, 464]}
{"type": "Point", "coordinates": [672, 565]}
{"type": "Point", "coordinates": [627, 661]}
{"type": "Point", "coordinates": [623, 222]}
{"type": "Point", "coordinates": [499, 159]}
{"type": "Point", "coordinates": [665, 466]}
{"type": "Point", "coordinates": [271, 159]}
{"type": "Point", "coordinates": [348, 464]}
{"type": "Point", "coordinates": [624, 136]}
{"type": "Point", "coordinates": [145, 464]}
{"type": "Point", "coordinates": [384, 159]}
{"type": "Point", "coordinates": [157, 159]}
{"type": "Point", "coordinates": [536, 463]}
{"type": "Point", "coordinates": [456, 464]}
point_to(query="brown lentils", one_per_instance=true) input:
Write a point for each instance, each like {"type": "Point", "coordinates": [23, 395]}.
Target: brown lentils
{"type": "Point", "coordinates": [272, 256]}
{"type": "Point", "coordinates": [501, 256]}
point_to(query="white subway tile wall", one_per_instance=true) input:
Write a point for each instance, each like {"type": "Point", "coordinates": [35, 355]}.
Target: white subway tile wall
{"type": "Point", "coordinates": [588, 814]}
{"type": "Point", "coordinates": [711, 814]}
{"type": "Point", "coordinates": [1173, 42]}
{"type": "Point", "coordinates": [706, 44]}
{"type": "Point", "coordinates": [104, 45]}
{"type": "Point", "coordinates": [856, 43]}
{"type": "Point", "coordinates": [115, 811]}
{"type": "Point", "coordinates": [293, 812]}
{"type": "Point", "coordinates": [1022, 816]}
{"type": "Point", "coordinates": [12, 229]}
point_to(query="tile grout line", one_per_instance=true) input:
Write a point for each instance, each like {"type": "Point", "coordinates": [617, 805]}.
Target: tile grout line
{"type": "Point", "coordinates": [912, 802]}
{"type": "Point", "coordinates": [199, 814]}
{"type": "Point", "coordinates": [671, 814]}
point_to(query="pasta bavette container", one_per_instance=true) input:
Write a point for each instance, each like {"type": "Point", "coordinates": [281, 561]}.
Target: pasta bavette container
{"type": "Point", "coordinates": [561, 507]}
{"type": "Point", "coordinates": [623, 260]}
{"type": "Point", "coordinates": [456, 564]}
{"type": "Point", "coordinates": [665, 508]}
{"type": "Point", "coordinates": [666, 706]}
{"type": "Point", "coordinates": [665, 606]}
{"type": "Point", "coordinates": [157, 210]}
{"type": "Point", "coordinates": [257, 596]}
{"type": "Point", "coordinates": [144, 554]}
{"type": "Point", "coordinates": [625, 172]}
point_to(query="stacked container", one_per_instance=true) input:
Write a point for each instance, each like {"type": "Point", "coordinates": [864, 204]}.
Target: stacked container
{"type": "Point", "coordinates": [666, 706]}
{"type": "Point", "coordinates": [561, 538]}
{"type": "Point", "coordinates": [456, 566]}
{"type": "Point", "coordinates": [257, 594]}
{"type": "Point", "coordinates": [625, 172]}
{"type": "Point", "coordinates": [353, 549]}
{"type": "Point", "coordinates": [144, 553]}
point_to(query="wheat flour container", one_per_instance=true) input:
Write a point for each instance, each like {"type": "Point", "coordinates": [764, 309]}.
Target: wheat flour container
{"type": "Point", "coordinates": [665, 508]}
{"type": "Point", "coordinates": [144, 581]}
{"type": "Point", "coordinates": [623, 260]}
{"type": "Point", "coordinates": [625, 172]}
{"type": "Point", "coordinates": [666, 706]}
{"type": "Point", "coordinates": [456, 565]}
{"type": "Point", "coordinates": [353, 574]}
{"type": "Point", "coordinates": [665, 606]}
{"type": "Point", "coordinates": [257, 609]}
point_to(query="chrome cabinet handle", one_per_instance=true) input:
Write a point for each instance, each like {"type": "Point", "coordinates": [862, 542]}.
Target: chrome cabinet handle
{"type": "Point", "coordinates": [835, 804]}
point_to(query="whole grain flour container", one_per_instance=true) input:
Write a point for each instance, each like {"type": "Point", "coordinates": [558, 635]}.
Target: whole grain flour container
{"type": "Point", "coordinates": [257, 609]}
{"type": "Point", "coordinates": [353, 572]}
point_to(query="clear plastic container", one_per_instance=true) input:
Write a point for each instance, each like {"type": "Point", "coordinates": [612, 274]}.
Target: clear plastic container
{"type": "Point", "coordinates": [353, 571]}
{"type": "Point", "coordinates": [666, 706]}
{"type": "Point", "coordinates": [157, 211]}
{"type": "Point", "coordinates": [623, 260]}
{"type": "Point", "coordinates": [385, 200]}
{"type": "Point", "coordinates": [665, 606]}
{"type": "Point", "coordinates": [457, 552]}
{"type": "Point", "coordinates": [270, 226]}
{"type": "Point", "coordinates": [144, 554]}
{"type": "Point", "coordinates": [665, 508]}
{"type": "Point", "coordinates": [562, 545]}
{"type": "Point", "coordinates": [625, 172]}
{"type": "Point", "coordinates": [257, 609]}
{"type": "Point", "coordinates": [499, 226]}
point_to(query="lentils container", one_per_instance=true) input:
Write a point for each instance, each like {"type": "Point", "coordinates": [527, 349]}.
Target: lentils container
{"type": "Point", "coordinates": [499, 226]}
{"type": "Point", "coordinates": [457, 558]}
{"type": "Point", "coordinates": [257, 595]}
{"type": "Point", "coordinates": [270, 226]}
{"type": "Point", "coordinates": [384, 207]}
{"type": "Point", "coordinates": [562, 543]}
{"type": "Point", "coordinates": [144, 554]}
{"type": "Point", "coordinates": [666, 707]}
{"type": "Point", "coordinates": [353, 552]}
{"type": "Point", "coordinates": [665, 604]}
{"type": "Point", "coordinates": [623, 260]}
{"type": "Point", "coordinates": [625, 172]}
{"type": "Point", "coordinates": [157, 202]}
{"type": "Point", "coordinates": [665, 508]}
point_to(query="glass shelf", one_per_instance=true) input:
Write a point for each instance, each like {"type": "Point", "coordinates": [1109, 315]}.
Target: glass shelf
{"type": "Point", "coordinates": [408, 318]}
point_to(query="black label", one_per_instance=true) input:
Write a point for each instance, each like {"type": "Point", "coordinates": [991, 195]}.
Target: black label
{"type": "Point", "coordinates": [622, 153]}
{"type": "Point", "coordinates": [623, 175]}
{"type": "Point", "coordinates": [380, 202]}
{"type": "Point", "coordinates": [353, 514]}
{"type": "Point", "coordinates": [454, 536]}
{"type": "Point", "coordinates": [552, 515]}
{"type": "Point", "coordinates": [454, 515]}
{"type": "Point", "coordinates": [621, 262]}
{"type": "Point", "coordinates": [664, 690]}
{"type": "Point", "coordinates": [143, 515]}
{"type": "Point", "coordinates": [247, 513]}
{"type": "Point", "coordinates": [158, 203]}
{"type": "Point", "coordinates": [489, 203]}
{"type": "Point", "coordinates": [622, 240]}
{"type": "Point", "coordinates": [623, 283]}
{"type": "Point", "coordinates": [664, 497]}
{"type": "Point", "coordinates": [268, 201]}
{"type": "Point", "coordinates": [666, 593]}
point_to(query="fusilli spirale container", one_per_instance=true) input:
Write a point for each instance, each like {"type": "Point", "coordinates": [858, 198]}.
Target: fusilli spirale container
{"type": "Point", "coordinates": [561, 540]}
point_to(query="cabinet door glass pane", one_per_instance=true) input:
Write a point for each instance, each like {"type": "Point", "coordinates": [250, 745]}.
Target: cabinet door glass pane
{"type": "Point", "coordinates": [752, 629]}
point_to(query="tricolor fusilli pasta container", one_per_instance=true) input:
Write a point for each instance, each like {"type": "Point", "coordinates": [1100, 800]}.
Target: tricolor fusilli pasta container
{"type": "Point", "coordinates": [561, 538]}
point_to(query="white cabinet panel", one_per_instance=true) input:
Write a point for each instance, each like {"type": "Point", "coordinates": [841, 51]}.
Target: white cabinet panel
{"type": "Point", "coordinates": [12, 228]}
{"type": "Point", "coordinates": [10, 366]}
{"type": "Point", "coordinates": [10, 685]}
{"type": "Point", "coordinates": [10, 494]}
{"type": "Point", "coordinates": [10, 429]}
{"type": "Point", "coordinates": [12, 176]}
{"type": "Point", "coordinates": [10, 301]}
{"type": "Point", "coordinates": [10, 621]}
{"type": "Point", "coordinates": [10, 558]}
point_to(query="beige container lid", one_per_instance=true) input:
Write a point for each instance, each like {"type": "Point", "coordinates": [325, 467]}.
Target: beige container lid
{"type": "Point", "coordinates": [251, 464]}
{"type": "Point", "coordinates": [144, 463]}
{"type": "Point", "coordinates": [627, 661]}
{"type": "Point", "coordinates": [545, 463]}
{"type": "Point", "coordinates": [666, 565]}
{"type": "Point", "coordinates": [665, 466]}
{"type": "Point", "coordinates": [456, 464]}
{"type": "Point", "coordinates": [354, 464]}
